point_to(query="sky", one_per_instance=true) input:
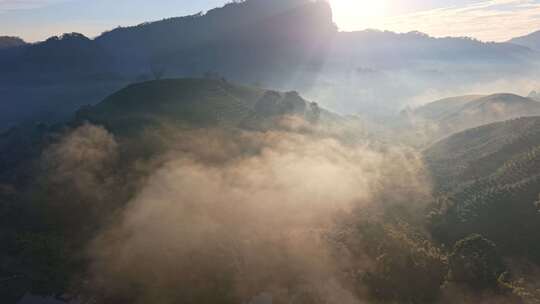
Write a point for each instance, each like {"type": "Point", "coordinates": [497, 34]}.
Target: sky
{"type": "Point", "coordinates": [487, 20]}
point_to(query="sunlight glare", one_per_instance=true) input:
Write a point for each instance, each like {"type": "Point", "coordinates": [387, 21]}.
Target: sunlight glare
{"type": "Point", "coordinates": [358, 14]}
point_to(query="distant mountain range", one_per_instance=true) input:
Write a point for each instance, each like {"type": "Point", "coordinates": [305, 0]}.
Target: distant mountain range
{"type": "Point", "coordinates": [281, 44]}
{"type": "Point", "coordinates": [9, 42]}
{"type": "Point", "coordinates": [531, 41]}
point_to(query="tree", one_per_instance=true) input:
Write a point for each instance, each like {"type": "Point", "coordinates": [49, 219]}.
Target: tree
{"type": "Point", "coordinates": [408, 268]}
{"type": "Point", "coordinates": [404, 266]}
{"type": "Point", "coordinates": [476, 263]}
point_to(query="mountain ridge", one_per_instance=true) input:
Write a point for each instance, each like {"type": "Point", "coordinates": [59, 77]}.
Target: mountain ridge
{"type": "Point", "coordinates": [283, 45]}
{"type": "Point", "coordinates": [531, 40]}
{"type": "Point", "coordinates": [456, 114]}
{"type": "Point", "coordinates": [9, 42]}
{"type": "Point", "coordinates": [188, 103]}
{"type": "Point", "coordinates": [487, 180]}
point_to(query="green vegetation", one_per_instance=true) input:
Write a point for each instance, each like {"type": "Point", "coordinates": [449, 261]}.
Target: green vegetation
{"type": "Point", "coordinates": [62, 187]}
{"type": "Point", "coordinates": [193, 102]}
{"type": "Point", "coordinates": [487, 181]}
{"type": "Point", "coordinates": [407, 267]}
{"type": "Point", "coordinates": [475, 262]}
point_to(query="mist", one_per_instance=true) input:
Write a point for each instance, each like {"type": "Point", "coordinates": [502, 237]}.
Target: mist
{"type": "Point", "coordinates": [256, 154]}
{"type": "Point", "coordinates": [232, 214]}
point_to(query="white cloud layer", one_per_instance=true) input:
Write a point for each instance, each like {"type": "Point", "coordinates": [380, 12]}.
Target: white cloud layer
{"type": "Point", "coordinates": [493, 20]}
{"type": "Point", "coordinates": [9, 5]}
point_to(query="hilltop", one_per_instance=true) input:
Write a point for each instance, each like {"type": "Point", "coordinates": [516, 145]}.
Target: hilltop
{"type": "Point", "coordinates": [531, 40]}
{"type": "Point", "coordinates": [460, 113]}
{"type": "Point", "coordinates": [194, 102]}
{"type": "Point", "coordinates": [182, 103]}
{"type": "Point", "coordinates": [9, 42]}
{"type": "Point", "coordinates": [283, 45]}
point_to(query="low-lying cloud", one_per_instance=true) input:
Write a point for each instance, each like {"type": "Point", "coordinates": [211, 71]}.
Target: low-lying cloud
{"type": "Point", "coordinates": [233, 215]}
{"type": "Point", "coordinates": [493, 20]}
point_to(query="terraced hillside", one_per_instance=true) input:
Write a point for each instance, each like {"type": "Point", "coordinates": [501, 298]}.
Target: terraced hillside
{"type": "Point", "coordinates": [457, 114]}
{"type": "Point", "coordinates": [488, 179]}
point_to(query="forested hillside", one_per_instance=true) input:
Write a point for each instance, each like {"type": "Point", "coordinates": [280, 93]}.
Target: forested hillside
{"type": "Point", "coordinates": [321, 204]}
{"type": "Point", "coordinates": [488, 182]}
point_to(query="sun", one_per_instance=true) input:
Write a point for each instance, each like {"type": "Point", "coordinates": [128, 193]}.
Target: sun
{"type": "Point", "coordinates": [358, 14]}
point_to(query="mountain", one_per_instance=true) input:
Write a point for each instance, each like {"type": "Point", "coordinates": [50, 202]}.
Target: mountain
{"type": "Point", "coordinates": [531, 41]}
{"type": "Point", "coordinates": [169, 103]}
{"type": "Point", "coordinates": [49, 81]}
{"type": "Point", "coordinates": [493, 108]}
{"type": "Point", "coordinates": [284, 45]}
{"type": "Point", "coordinates": [454, 157]}
{"type": "Point", "coordinates": [63, 73]}
{"type": "Point", "coordinates": [187, 103]}
{"type": "Point", "coordinates": [228, 40]}
{"type": "Point", "coordinates": [488, 180]}
{"type": "Point", "coordinates": [9, 42]}
{"type": "Point", "coordinates": [195, 102]}
{"type": "Point", "coordinates": [389, 49]}
{"type": "Point", "coordinates": [136, 119]}
{"type": "Point", "coordinates": [437, 110]}
{"type": "Point", "coordinates": [460, 113]}
{"type": "Point", "coordinates": [225, 40]}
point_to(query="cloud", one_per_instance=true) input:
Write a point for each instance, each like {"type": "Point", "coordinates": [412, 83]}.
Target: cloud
{"type": "Point", "coordinates": [9, 5]}
{"type": "Point", "coordinates": [228, 215]}
{"type": "Point", "coordinates": [495, 20]}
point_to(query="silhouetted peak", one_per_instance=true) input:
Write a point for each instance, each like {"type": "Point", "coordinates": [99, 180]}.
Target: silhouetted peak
{"type": "Point", "coordinates": [531, 35]}
{"type": "Point", "coordinates": [8, 41]}
{"type": "Point", "coordinates": [263, 5]}
{"type": "Point", "coordinates": [68, 37]}
{"type": "Point", "coordinates": [504, 97]}
{"type": "Point", "coordinates": [238, 14]}
{"type": "Point", "coordinates": [531, 40]}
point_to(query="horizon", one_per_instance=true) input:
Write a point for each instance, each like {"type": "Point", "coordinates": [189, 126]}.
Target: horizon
{"type": "Point", "coordinates": [438, 19]}
{"type": "Point", "coordinates": [270, 151]}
